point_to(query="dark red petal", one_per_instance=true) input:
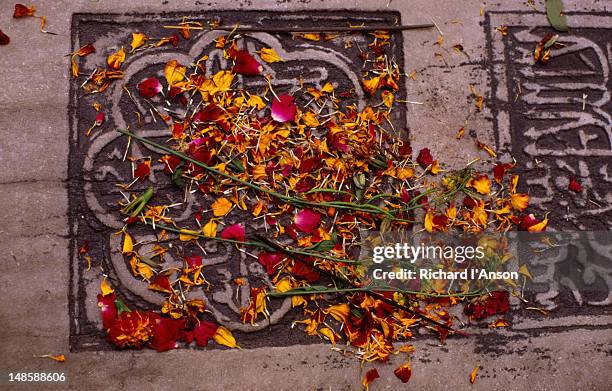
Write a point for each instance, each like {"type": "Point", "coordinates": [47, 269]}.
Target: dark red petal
{"type": "Point", "coordinates": [21, 11]}
{"type": "Point", "coordinates": [245, 64]}
{"type": "Point", "coordinates": [108, 309]}
{"type": "Point", "coordinates": [100, 118]}
{"type": "Point", "coordinates": [150, 87]}
{"type": "Point", "coordinates": [143, 170]}
{"type": "Point", "coordinates": [424, 159]}
{"type": "Point", "coordinates": [193, 261]}
{"type": "Point", "coordinates": [4, 39]}
{"type": "Point", "coordinates": [270, 261]}
{"type": "Point", "coordinates": [574, 185]}
{"type": "Point", "coordinates": [203, 332]}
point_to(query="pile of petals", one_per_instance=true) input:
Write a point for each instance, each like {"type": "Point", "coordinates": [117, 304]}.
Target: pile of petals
{"type": "Point", "coordinates": [315, 170]}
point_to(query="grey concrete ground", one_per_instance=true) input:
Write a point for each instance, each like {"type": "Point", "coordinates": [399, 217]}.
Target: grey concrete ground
{"type": "Point", "coordinates": [558, 353]}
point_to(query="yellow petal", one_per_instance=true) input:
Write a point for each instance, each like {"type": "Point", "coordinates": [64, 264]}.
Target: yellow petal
{"type": "Point", "coordinates": [174, 72]}
{"type": "Point", "coordinates": [55, 357]}
{"type": "Point", "coordinates": [539, 227]}
{"type": "Point", "coordinates": [428, 221]}
{"type": "Point", "coordinates": [328, 87]}
{"type": "Point", "coordinates": [128, 244]}
{"type": "Point", "coordinates": [340, 312]}
{"type": "Point", "coordinates": [519, 201]}
{"type": "Point", "coordinates": [221, 207]}
{"type": "Point", "coordinates": [186, 235]}
{"type": "Point", "coordinates": [210, 229]}
{"type": "Point", "coordinates": [387, 98]}
{"type": "Point", "coordinates": [283, 285]}
{"type": "Point", "coordinates": [116, 59]}
{"type": "Point", "coordinates": [138, 39]}
{"type": "Point", "coordinates": [105, 287]}
{"type": "Point", "coordinates": [524, 271]}
{"type": "Point", "coordinates": [269, 55]}
{"type": "Point", "coordinates": [371, 85]}
{"type": "Point", "coordinates": [329, 334]}
{"type": "Point", "coordinates": [224, 337]}
{"type": "Point", "coordinates": [473, 374]}
{"type": "Point", "coordinates": [481, 184]}
{"type": "Point", "coordinates": [311, 36]}
{"type": "Point", "coordinates": [310, 119]}
{"type": "Point", "coordinates": [256, 101]}
{"type": "Point", "coordinates": [223, 80]}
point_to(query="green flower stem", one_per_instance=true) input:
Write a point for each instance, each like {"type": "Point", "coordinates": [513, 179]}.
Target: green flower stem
{"type": "Point", "coordinates": [251, 243]}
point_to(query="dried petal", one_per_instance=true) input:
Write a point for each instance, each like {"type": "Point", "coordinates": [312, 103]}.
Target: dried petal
{"type": "Point", "coordinates": [100, 118]}
{"type": "Point", "coordinates": [204, 332]}
{"type": "Point", "coordinates": [424, 159]}
{"type": "Point", "coordinates": [369, 377]}
{"type": "Point", "coordinates": [283, 108]}
{"type": "Point", "coordinates": [105, 287]}
{"type": "Point", "coordinates": [143, 170]}
{"type": "Point", "coordinates": [403, 372]}
{"type": "Point", "coordinates": [4, 39]}
{"type": "Point", "coordinates": [85, 50]}
{"type": "Point", "coordinates": [519, 201]}
{"type": "Point", "coordinates": [245, 64]}
{"type": "Point", "coordinates": [473, 374]}
{"type": "Point", "coordinates": [269, 55]}
{"type": "Point", "coordinates": [223, 336]}
{"type": "Point", "coordinates": [138, 39]}
{"type": "Point", "coordinates": [149, 87]}
{"type": "Point", "coordinates": [116, 59]}
{"type": "Point", "coordinates": [340, 312]}
{"type": "Point", "coordinates": [174, 72]}
{"type": "Point", "coordinates": [21, 11]}
{"type": "Point", "coordinates": [221, 207]}
{"type": "Point", "coordinates": [481, 183]}
{"type": "Point", "coordinates": [54, 357]}
{"type": "Point", "coordinates": [270, 261]}
{"type": "Point", "coordinates": [210, 229]}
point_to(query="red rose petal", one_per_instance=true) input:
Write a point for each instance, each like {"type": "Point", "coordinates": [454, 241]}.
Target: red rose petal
{"type": "Point", "coordinates": [100, 118]}
{"type": "Point", "coordinates": [193, 261]}
{"type": "Point", "coordinates": [235, 232]}
{"type": "Point", "coordinates": [307, 220]}
{"type": "Point", "coordinates": [245, 64]}
{"type": "Point", "coordinates": [166, 333]}
{"type": "Point", "coordinates": [283, 108]}
{"type": "Point", "coordinates": [425, 159]}
{"type": "Point", "coordinates": [150, 87]}
{"type": "Point", "coordinates": [4, 39]}
{"type": "Point", "coordinates": [270, 261]}
{"type": "Point", "coordinates": [108, 309]}
{"type": "Point", "coordinates": [204, 332]}
{"type": "Point", "coordinates": [143, 170]}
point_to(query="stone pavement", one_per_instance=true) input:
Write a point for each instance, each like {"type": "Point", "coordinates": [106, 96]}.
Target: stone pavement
{"type": "Point", "coordinates": [570, 349]}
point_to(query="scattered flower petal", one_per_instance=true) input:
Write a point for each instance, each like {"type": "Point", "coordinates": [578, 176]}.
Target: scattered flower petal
{"type": "Point", "coordinates": [283, 108]}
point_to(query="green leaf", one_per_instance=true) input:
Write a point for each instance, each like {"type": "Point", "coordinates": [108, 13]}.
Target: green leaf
{"type": "Point", "coordinates": [554, 9]}
{"type": "Point", "coordinates": [322, 246]}
{"type": "Point", "coordinates": [121, 307]}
